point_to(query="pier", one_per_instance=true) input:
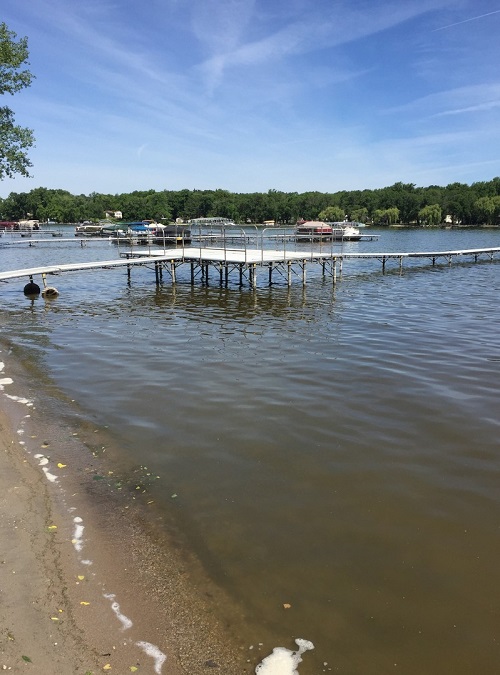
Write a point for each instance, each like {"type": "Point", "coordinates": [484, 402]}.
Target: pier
{"type": "Point", "coordinates": [221, 263]}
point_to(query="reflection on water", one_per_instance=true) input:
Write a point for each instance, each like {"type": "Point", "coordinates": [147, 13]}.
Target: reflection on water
{"type": "Point", "coordinates": [335, 450]}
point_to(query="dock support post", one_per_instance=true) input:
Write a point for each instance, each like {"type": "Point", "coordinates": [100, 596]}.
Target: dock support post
{"type": "Point", "coordinates": [400, 263]}
{"type": "Point", "coordinates": [341, 262]}
{"type": "Point", "coordinates": [270, 274]}
{"type": "Point", "coordinates": [221, 272]}
{"type": "Point", "coordinates": [383, 265]}
{"type": "Point", "coordinates": [334, 271]}
{"type": "Point", "coordinates": [192, 274]}
{"type": "Point", "coordinates": [322, 268]}
{"type": "Point", "coordinates": [241, 274]}
{"type": "Point", "coordinates": [172, 271]}
{"type": "Point", "coordinates": [157, 273]}
{"type": "Point", "coordinates": [226, 274]}
{"type": "Point", "coordinates": [303, 272]}
{"type": "Point", "coordinates": [289, 273]}
{"type": "Point", "coordinates": [253, 275]}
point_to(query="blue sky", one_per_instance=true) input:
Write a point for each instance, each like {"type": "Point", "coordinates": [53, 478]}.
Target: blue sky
{"type": "Point", "coordinates": [253, 95]}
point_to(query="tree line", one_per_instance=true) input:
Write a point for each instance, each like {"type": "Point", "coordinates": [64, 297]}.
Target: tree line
{"type": "Point", "coordinates": [404, 203]}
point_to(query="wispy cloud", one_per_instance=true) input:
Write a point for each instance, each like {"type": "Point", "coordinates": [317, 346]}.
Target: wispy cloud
{"type": "Point", "coordinates": [461, 100]}
{"type": "Point", "coordinates": [473, 18]}
{"type": "Point", "coordinates": [312, 31]}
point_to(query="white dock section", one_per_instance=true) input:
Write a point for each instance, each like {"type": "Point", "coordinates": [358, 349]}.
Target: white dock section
{"type": "Point", "coordinates": [245, 261]}
{"type": "Point", "coordinates": [78, 267]}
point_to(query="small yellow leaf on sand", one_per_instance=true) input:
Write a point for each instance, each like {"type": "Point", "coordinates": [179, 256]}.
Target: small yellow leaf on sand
{"type": "Point", "coordinates": [61, 466]}
{"type": "Point", "coordinates": [133, 668]}
{"type": "Point", "coordinates": [107, 666]}
{"type": "Point", "coordinates": [54, 618]}
{"type": "Point", "coordinates": [52, 527]}
{"type": "Point", "coordinates": [84, 603]}
{"type": "Point", "coordinates": [80, 577]}
{"type": "Point", "coordinates": [286, 605]}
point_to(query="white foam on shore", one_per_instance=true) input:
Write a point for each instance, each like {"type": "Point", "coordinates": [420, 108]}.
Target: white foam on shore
{"type": "Point", "coordinates": [20, 399]}
{"type": "Point", "coordinates": [155, 653]}
{"type": "Point", "coordinates": [48, 475]}
{"type": "Point", "coordinates": [124, 620]}
{"type": "Point", "coordinates": [284, 661]}
{"type": "Point", "coordinates": [43, 462]}
{"type": "Point", "coordinates": [77, 540]}
{"type": "Point", "coordinates": [8, 380]}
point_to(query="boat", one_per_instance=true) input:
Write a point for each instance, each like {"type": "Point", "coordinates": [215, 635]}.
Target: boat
{"type": "Point", "coordinates": [88, 230]}
{"type": "Point", "coordinates": [317, 230]}
{"type": "Point", "coordinates": [172, 234]}
{"type": "Point", "coordinates": [346, 231]}
{"type": "Point", "coordinates": [211, 222]}
{"type": "Point", "coordinates": [313, 230]}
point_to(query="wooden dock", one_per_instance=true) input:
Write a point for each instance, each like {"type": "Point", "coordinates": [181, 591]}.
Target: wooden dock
{"type": "Point", "coordinates": [205, 262]}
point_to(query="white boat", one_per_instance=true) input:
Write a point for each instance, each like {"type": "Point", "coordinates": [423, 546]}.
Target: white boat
{"type": "Point", "coordinates": [88, 230]}
{"type": "Point", "coordinates": [314, 230]}
{"type": "Point", "coordinates": [317, 230]}
{"type": "Point", "coordinates": [345, 231]}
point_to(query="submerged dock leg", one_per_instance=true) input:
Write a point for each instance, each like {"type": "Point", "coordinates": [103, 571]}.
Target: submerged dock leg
{"type": "Point", "coordinates": [289, 273]}
{"type": "Point", "coordinates": [253, 275]}
{"type": "Point", "coordinates": [172, 271]}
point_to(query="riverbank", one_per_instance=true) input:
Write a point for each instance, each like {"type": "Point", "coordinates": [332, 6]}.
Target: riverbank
{"type": "Point", "coordinates": [86, 583]}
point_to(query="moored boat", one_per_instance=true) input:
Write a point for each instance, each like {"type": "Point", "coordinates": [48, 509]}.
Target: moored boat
{"type": "Point", "coordinates": [88, 230]}
{"type": "Point", "coordinates": [172, 234]}
{"type": "Point", "coordinates": [313, 230]}
{"type": "Point", "coordinates": [346, 231]}
{"type": "Point", "coordinates": [317, 230]}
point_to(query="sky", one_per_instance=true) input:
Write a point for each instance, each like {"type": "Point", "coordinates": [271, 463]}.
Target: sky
{"type": "Point", "coordinates": [258, 95]}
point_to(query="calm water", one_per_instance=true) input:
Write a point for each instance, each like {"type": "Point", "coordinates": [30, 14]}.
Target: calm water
{"type": "Point", "coordinates": [334, 449]}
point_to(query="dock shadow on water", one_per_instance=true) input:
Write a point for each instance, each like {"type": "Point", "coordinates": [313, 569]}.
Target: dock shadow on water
{"type": "Point", "coordinates": [330, 455]}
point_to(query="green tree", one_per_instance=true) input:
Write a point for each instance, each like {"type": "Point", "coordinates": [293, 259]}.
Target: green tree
{"type": "Point", "coordinates": [360, 214]}
{"type": "Point", "coordinates": [14, 140]}
{"type": "Point", "coordinates": [332, 214]}
{"type": "Point", "coordinates": [430, 215]}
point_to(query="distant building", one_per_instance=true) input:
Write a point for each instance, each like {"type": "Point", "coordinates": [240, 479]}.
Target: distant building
{"type": "Point", "coordinates": [117, 215]}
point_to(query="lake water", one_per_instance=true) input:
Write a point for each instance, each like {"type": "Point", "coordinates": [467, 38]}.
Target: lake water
{"type": "Point", "coordinates": [335, 449]}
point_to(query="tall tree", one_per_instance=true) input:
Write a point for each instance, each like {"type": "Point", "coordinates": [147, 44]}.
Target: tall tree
{"type": "Point", "coordinates": [14, 139]}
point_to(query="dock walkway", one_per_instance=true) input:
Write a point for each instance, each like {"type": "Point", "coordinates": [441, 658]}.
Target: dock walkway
{"type": "Point", "coordinates": [246, 261]}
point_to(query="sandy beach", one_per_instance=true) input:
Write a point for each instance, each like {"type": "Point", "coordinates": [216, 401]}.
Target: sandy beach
{"type": "Point", "coordinates": [87, 585]}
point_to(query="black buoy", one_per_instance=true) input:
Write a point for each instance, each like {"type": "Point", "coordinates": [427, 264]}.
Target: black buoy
{"type": "Point", "coordinates": [32, 289]}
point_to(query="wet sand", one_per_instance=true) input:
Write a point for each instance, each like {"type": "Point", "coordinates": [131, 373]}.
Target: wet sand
{"type": "Point", "coordinates": [88, 582]}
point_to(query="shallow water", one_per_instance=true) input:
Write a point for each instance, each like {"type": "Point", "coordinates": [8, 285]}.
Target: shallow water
{"type": "Point", "coordinates": [331, 449]}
